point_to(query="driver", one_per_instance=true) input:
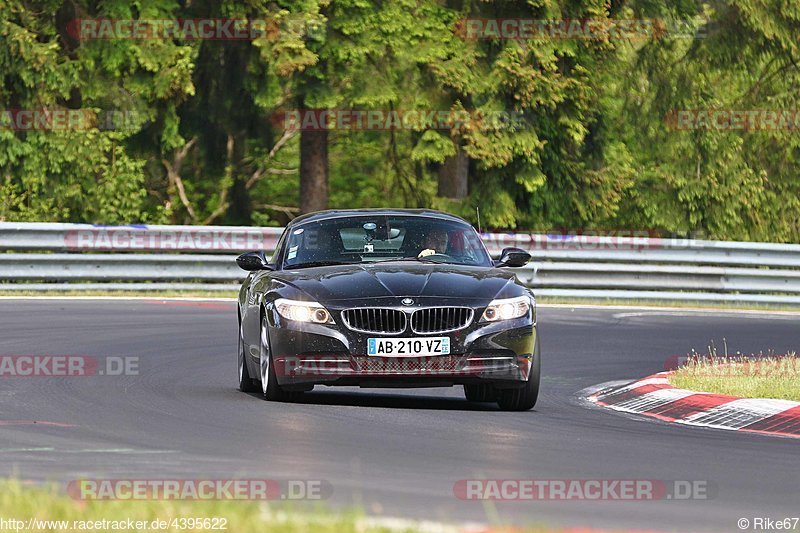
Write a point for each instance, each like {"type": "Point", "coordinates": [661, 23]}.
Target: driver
{"type": "Point", "coordinates": [435, 243]}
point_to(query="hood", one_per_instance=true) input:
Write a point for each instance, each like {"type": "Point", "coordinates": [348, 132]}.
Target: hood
{"type": "Point", "coordinates": [415, 280]}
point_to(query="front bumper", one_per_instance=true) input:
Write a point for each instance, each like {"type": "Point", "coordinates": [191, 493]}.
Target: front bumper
{"type": "Point", "coordinates": [310, 354]}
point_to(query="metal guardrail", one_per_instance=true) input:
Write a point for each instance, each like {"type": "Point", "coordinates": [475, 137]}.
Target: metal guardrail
{"type": "Point", "coordinates": [64, 256]}
{"type": "Point", "coordinates": [135, 238]}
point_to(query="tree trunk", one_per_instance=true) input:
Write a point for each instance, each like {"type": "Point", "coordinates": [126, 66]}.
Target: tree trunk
{"type": "Point", "coordinates": [240, 204]}
{"type": "Point", "coordinates": [453, 176]}
{"type": "Point", "coordinates": [313, 170]}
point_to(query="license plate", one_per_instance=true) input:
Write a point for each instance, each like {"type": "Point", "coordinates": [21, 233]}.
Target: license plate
{"type": "Point", "coordinates": [402, 346]}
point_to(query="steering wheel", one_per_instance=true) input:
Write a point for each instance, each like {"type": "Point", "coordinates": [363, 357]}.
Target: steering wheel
{"type": "Point", "coordinates": [437, 257]}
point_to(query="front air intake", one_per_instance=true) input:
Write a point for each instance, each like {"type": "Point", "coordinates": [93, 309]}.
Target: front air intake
{"type": "Point", "coordinates": [375, 320]}
{"type": "Point", "coordinates": [440, 319]}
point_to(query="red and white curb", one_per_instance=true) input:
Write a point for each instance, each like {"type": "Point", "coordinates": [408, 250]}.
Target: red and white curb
{"type": "Point", "coordinates": [653, 396]}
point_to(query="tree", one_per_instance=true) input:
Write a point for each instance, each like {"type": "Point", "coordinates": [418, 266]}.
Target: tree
{"type": "Point", "coordinates": [87, 170]}
{"type": "Point", "coordinates": [561, 131]}
{"type": "Point", "coordinates": [728, 182]}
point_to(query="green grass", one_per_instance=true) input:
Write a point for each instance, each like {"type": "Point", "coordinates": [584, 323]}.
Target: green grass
{"type": "Point", "coordinates": [47, 503]}
{"type": "Point", "coordinates": [746, 377]}
{"type": "Point", "coordinates": [24, 501]}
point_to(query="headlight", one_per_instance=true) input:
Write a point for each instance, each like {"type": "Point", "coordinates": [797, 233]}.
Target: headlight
{"type": "Point", "coordinates": [303, 311]}
{"type": "Point", "coordinates": [506, 309]}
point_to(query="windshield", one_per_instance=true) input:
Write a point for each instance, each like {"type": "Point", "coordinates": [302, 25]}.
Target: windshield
{"type": "Point", "coordinates": [367, 239]}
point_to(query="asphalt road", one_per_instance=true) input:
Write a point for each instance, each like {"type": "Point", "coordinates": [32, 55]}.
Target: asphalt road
{"type": "Point", "coordinates": [395, 452]}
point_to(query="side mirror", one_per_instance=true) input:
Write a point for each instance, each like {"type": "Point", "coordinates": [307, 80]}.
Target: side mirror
{"type": "Point", "coordinates": [513, 257]}
{"type": "Point", "coordinates": [252, 261]}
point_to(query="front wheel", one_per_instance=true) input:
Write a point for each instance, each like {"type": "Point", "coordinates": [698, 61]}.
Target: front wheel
{"type": "Point", "coordinates": [523, 398]}
{"type": "Point", "coordinates": [270, 388]}
{"type": "Point", "coordinates": [246, 383]}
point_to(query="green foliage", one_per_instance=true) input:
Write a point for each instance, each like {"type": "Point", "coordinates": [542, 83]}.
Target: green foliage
{"type": "Point", "coordinates": [721, 182]}
{"type": "Point", "coordinates": [89, 172]}
{"type": "Point", "coordinates": [586, 136]}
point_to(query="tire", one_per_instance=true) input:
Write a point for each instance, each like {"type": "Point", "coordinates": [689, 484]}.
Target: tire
{"type": "Point", "coordinates": [481, 392]}
{"type": "Point", "coordinates": [246, 383]}
{"type": "Point", "coordinates": [523, 398]}
{"type": "Point", "coordinates": [270, 388]}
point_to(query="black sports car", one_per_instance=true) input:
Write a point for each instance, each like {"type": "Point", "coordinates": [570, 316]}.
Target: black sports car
{"type": "Point", "coordinates": [387, 298]}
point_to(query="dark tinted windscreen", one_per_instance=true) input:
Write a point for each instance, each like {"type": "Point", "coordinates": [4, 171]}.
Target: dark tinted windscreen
{"type": "Point", "coordinates": [379, 238]}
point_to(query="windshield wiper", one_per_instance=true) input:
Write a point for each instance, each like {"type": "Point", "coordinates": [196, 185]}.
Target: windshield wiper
{"type": "Point", "coordinates": [312, 264]}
